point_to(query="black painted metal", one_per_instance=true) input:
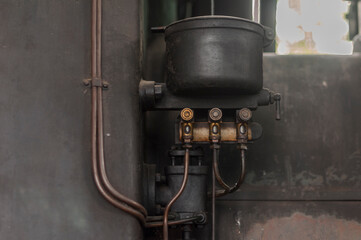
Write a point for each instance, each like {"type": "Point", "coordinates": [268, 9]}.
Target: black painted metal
{"type": "Point", "coordinates": [46, 186]}
{"type": "Point", "coordinates": [193, 199]}
{"type": "Point", "coordinates": [312, 154]}
{"type": "Point", "coordinates": [268, 10]}
{"type": "Point", "coordinates": [167, 100]}
{"type": "Point", "coordinates": [215, 55]}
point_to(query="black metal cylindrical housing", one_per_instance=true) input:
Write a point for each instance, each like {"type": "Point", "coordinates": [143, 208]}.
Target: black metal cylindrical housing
{"type": "Point", "coordinates": [194, 197]}
{"type": "Point", "coordinates": [215, 55]}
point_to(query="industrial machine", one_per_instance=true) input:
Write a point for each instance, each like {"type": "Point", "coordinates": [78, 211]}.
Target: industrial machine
{"type": "Point", "coordinates": [172, 135]}
{"type": "Point", "coordinates": [214, 80]}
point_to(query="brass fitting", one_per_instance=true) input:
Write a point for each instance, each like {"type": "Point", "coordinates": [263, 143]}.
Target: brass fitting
{"type": "Point", "coordinates": [245, 114]}
{"type": "Point", "coordinates": [242, 132]}
{"type": "Point", "coordinates": [187, 114]}
{"type": "Point", "coordinates": [187, 125]}
{"type": "Point", "coordinates": [215, 119]}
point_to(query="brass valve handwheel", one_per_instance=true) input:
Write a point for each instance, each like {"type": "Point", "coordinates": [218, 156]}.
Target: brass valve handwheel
{"type": "Point", "coordinates": [186, 114]}
{"type": "Point", "coordinates": [245, 114]}
{"type": "Point", "coordinates": [215, 114]}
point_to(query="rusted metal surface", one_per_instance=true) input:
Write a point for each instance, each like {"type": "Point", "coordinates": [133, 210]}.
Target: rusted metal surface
{"type": "Point", "coordinates": [289, 220]}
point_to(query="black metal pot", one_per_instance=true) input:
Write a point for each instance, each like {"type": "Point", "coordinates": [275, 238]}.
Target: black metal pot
{"type": "Point", "coordinates": [215, 55]}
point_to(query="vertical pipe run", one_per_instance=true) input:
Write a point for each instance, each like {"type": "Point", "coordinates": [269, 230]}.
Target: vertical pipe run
{"type": "Point", "coordinates": [214, 198]}
{"type": "Point", "coordinates": [184, 183]}
{"type": "Point", "coordinates": [97, 135]}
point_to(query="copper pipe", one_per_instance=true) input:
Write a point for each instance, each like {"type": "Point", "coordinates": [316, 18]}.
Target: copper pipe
{"type": "Point", "coordinates": [97, 124]}
{"type": "Point", "coordinates": [95, 162]}
{"type": "Point", "coordinates": [184, 183]}
{"type": "Point", "coordinates": [228, 189]}
{"type": "Point", "coordinates": [159, 218]}
{"type": "Point", "coordinates": [94, 40]}
{"type": "Point", "coordinates": [99, 38]}
{"type": "Point", "coordinates": [214, 199]}
{"type": "Point", "coordinates": [173, 222]}
{"type": "Point", "coordinates": [103, 173]}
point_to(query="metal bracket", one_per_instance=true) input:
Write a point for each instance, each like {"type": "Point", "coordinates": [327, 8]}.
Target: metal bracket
{"type": "Point", "coordinates": [96, 82]}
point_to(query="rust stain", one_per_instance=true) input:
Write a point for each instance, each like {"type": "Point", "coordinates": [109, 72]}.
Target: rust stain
{"type": "Point", "coordinates": [300, 227]}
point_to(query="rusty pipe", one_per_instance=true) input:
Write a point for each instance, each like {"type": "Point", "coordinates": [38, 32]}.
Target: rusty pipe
{"type": "Point", "coordinates": [172, 201]}
{"type": "Point", "coordinates": [224, 185]}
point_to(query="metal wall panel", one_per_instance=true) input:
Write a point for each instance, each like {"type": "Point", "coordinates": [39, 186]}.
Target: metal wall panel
{"type": "Point", "coordinates": [46, 187]}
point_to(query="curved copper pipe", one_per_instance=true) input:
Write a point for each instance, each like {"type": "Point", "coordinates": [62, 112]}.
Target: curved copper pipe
{"type": "Point", "coordinates": [97, 181]}
{"type": "Point", "coordinates": [227, 188]}
{"type": "Point", "coordinates": [103, 173]}
{"type": "Point", "coordinates": [97, 125]}
{"type": "Point", "coordinates": [184, 183]}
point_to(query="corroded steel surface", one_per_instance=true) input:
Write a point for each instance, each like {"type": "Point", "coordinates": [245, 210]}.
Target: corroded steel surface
{"type": "Point", "coordinates": [289, 220]}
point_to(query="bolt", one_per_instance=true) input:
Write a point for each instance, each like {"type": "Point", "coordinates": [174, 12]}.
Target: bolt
{"type": "Point", "coordinates": [105, 84]}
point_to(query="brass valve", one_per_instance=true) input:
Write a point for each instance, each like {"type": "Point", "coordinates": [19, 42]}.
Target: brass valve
{"type": "Point", "coordinates": [187, 125]}
{"type": "Point", "coordinates": [187, 114]}
{"type": "Point", "coordinates": [243, 116]}
{"type": "Point", "coordinates": [215, 119]}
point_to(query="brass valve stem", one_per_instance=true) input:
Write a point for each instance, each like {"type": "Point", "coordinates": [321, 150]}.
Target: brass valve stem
{"type": "Point", "coordinates": [242, 132]}
{"type": "Point", "coordinates": [215, 119]}
{"type": "Point", "coordinates": [187, 116]}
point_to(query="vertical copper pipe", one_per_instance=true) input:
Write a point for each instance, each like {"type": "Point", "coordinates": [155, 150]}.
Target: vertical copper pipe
{"type": "Point", "coordinates": [99, 38]}
{"type": "Point", "coordinates": [97, 123]}
{"type": "Point", "coordinates": [214, 199]}
{"type": "Point", "coordinates": [184, 183]}
{"type": "Point", "coordinates": [94, 40]}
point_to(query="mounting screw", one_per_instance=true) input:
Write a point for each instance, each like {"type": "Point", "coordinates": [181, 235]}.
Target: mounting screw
{"type": "Point", "coordinates": [105, 84]}
{"type": "Point", "coordinates": [187, 114]}
{"type": "Point", "coordinates": [215, 114]}
{"type": "Point", "coordinates": [245, 114]}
